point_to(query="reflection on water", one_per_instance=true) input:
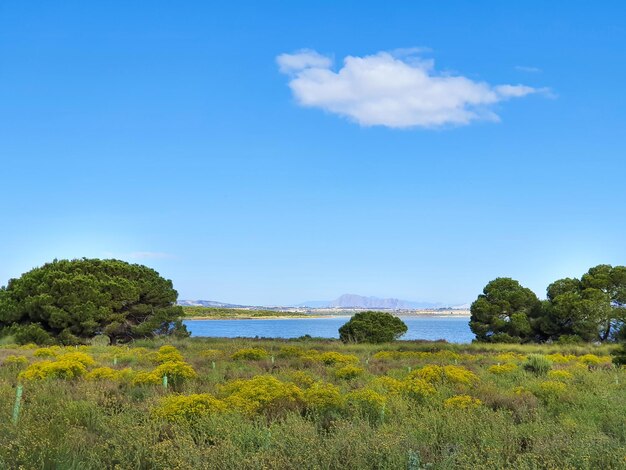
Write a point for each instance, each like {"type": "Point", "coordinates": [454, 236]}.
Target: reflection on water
{"type": "Point", "coordinates": [453, 328]}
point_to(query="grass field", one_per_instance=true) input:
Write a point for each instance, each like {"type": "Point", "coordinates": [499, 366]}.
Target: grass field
{"type": "Point", "coordinates": [251, 404]}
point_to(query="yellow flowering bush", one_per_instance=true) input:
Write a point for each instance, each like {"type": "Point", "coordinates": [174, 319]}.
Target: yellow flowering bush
{"type": "Point", "coordinates": [250, 354]}
{"type": "Point", "coordinates": [262, 393]}
{"type": "Point", "coordinates": [367, 402]}
{"type": "Point", "coordinates": [559, 358]}
{"type": "Point", "coordinates": [174, 407]}
{"type": "Point", "coordinates": [348, 372]}
{"type": "Point", "coordinates": [418, 389]}
{"type": "Point", "coordinates": [177, 372]}
{"type": "Point", "coordinates": [332, 358]}
{"type": "Point", "coordinates": [168, 353]}
{"type": "Point", "coordinates": [15, 361]}
{"type": "Point", "coordinates": [47, 352]}
{"type": "Point", "coordinates": [84, 358]}
{"type": "Point", "coordinates": [387, 384]}
{"type": "Point", "coordinates": [399, 355]}
{"type": "Point", "coordinates": [560, 374]}
{"type": "Point", "coordinates": [454, 374]}
{"type": "Point", "coordinates": [499, 369]}
{"type": "Point", "coordinates": [510, 357]}
{"type": "Point", "coordinates": [292, 351]}
{"type": "Point", "coordinates": [301, 378]}
{"type": "Point", "coordinates": [429, 373]}
{"type": "Point", "coordinates": [462, 402]}
{"type": "Point", "coordinates": [322, 397]}
{"type": "Point", "coordinates": [212, 353]}
{"type": "Point", "coordinates": [60, 369]}
{"type": "Point", "coordinates": [550, 389]}
{"type": "Point", "coordinates": [146, 378]}
{"type": "Point", "coordinates": [107, 373]}
{"type": "Point", "coordinates": [593, 360]}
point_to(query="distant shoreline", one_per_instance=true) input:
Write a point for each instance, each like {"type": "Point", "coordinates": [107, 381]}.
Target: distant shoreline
{"type": "Point", "coordinates": [343, 313]}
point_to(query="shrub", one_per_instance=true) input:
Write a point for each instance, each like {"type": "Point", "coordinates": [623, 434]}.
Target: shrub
{"type": "Point", "coordinates": [292, 351]}
{"type": "Point", "coordinates": [560, 375]}
{"type": "Point", "coordinates": [332, 358]}
{"type": "Point", "coordinates": [372, 327]}
{"type": "Point", "coordinates": [388, 384]}
{"type": "Point", "coordinates": [146, 378]}
{"type": "Point", "coordinates": [262, 393]}
{"type": "Point", "coordinates": [454, 374]}
{"type": "Point", "coordinates": [62, 369]}
{"type": "Point", "coordinates": [250, 354]}
{"type": "Point", "coordinates": [83, 358]}
{"type": "Point", "coordinates": [15, 361]}
{"type": "Point", "coordinates": [323, 397]}
{"type": "Point", "coordinates": [462, 402]}
{"type": "Point", "coordinates": [417, 389]}
{"type": "Point", "coordinates": [503, 368]}
{"type": "Point", "coordinates": [168, 354]}
{"type": "Point", "coordinates": [175, 407]}
{"type": "Point", "coordinates": [177, 372]}
{"type": "Point", "coordinates": [550, 390]}
{"type": "Point", "coordinates": [46, 352]}
{"type": "Point", "coordinates": [103, 373]}
{"type": "Point", "coordinates": [349, 372]}
{"type": "Point", "coordinates": [559, 358]}
{"type": "Point", "coordinates": [538, 364]}
{"type": "Point", "coordinates": [367, 402]}
{"type": "Point", "coordinates": [592, 360]}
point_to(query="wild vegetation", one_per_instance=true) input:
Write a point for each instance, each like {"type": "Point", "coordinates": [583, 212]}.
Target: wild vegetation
{"type": "Point", "coordinates": [249, 404]}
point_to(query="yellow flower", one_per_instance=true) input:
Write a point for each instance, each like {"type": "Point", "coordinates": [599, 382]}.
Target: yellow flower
{"type": "Point", "coordinates": [262, 393]}
{"type": "Point", "coordinates": [560, 374]}
{"type": "Point", "coordinates": [418, 389]}
{"type": "Point", "coordinates": [462, 402]}
{"type": "Point", "coordinates": [349, 372]}
{"type": "Point", "coordinates": [175, 407]}
{"type": "Point", "coordinates": [322, 397]}
{"type": "Point", "coordinates": [503, 368]}
{"type": "Point", "coordinates": [16, 361]}
{"type": "Point", "coordinates": [64, 369]}
{"type": "Point", "coordinates": [168, 353]}
{"type": "Point", "coordinates": [332, 358]}
{"type": "Point", "coordinates": [251, 354]}
{"type": "Point", "coordinates": [84, 358]}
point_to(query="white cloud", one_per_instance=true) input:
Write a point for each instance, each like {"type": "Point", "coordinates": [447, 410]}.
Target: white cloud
{"type": "Point", "coordinates": [393, 90]}
{"type": "Point", "coordinates": [301, 60]}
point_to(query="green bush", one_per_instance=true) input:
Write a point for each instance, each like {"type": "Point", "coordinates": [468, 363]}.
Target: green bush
{"type": "Point", "coordinates": [538, 364]}
{"type": "Point", "coordinates": [372, 327]}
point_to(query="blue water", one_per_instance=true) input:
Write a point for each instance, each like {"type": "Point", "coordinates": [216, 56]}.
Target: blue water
{"type": "Point", "coordinates": [452, 329]}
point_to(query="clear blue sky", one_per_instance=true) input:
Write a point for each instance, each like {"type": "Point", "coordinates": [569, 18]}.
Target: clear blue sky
{"type": "Point", "coordinates": [165, 133]}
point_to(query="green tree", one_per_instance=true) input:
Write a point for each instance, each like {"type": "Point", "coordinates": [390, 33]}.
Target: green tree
{"type": "Point", "coordinates": [77, 299]}
{"type": "Point", "coordinates": [504, 312]}
{"type": "Point", "coordinates": [372, 327]}
{"type": "Point", "coordinates": [572, 311]}
{"type": "Point", "coordinates": [611, 280]}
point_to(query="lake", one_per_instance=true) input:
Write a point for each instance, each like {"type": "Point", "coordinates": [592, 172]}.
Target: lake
{"type": "Point", "coordinates": [453, 329]}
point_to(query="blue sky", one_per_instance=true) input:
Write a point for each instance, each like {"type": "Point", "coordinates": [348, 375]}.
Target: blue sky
{"type": "Point", "coordinates": [166, 134]}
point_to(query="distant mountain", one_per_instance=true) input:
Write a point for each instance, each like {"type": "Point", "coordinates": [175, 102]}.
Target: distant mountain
{"type": "Point", "coordinates": [207, 303]}
{"type": "Point", "coordinates": [360, 301]}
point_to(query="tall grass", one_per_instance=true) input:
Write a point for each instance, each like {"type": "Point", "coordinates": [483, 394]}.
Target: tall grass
{"type": "Point", "coordinates": [510, 418]}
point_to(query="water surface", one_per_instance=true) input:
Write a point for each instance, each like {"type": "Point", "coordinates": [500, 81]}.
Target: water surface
{"type": "Point", "coordinates": [453, 328]}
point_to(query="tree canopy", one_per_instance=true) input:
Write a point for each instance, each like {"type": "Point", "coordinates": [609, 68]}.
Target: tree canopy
{"type": "Point", "coordinates": [372, 327]}
{"type": "Point", "coordinates": [70, 300]}
{"type": "Point", "coordinates": [503, 312]}
{"type": "Point", "coordinates": [588, 309]}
